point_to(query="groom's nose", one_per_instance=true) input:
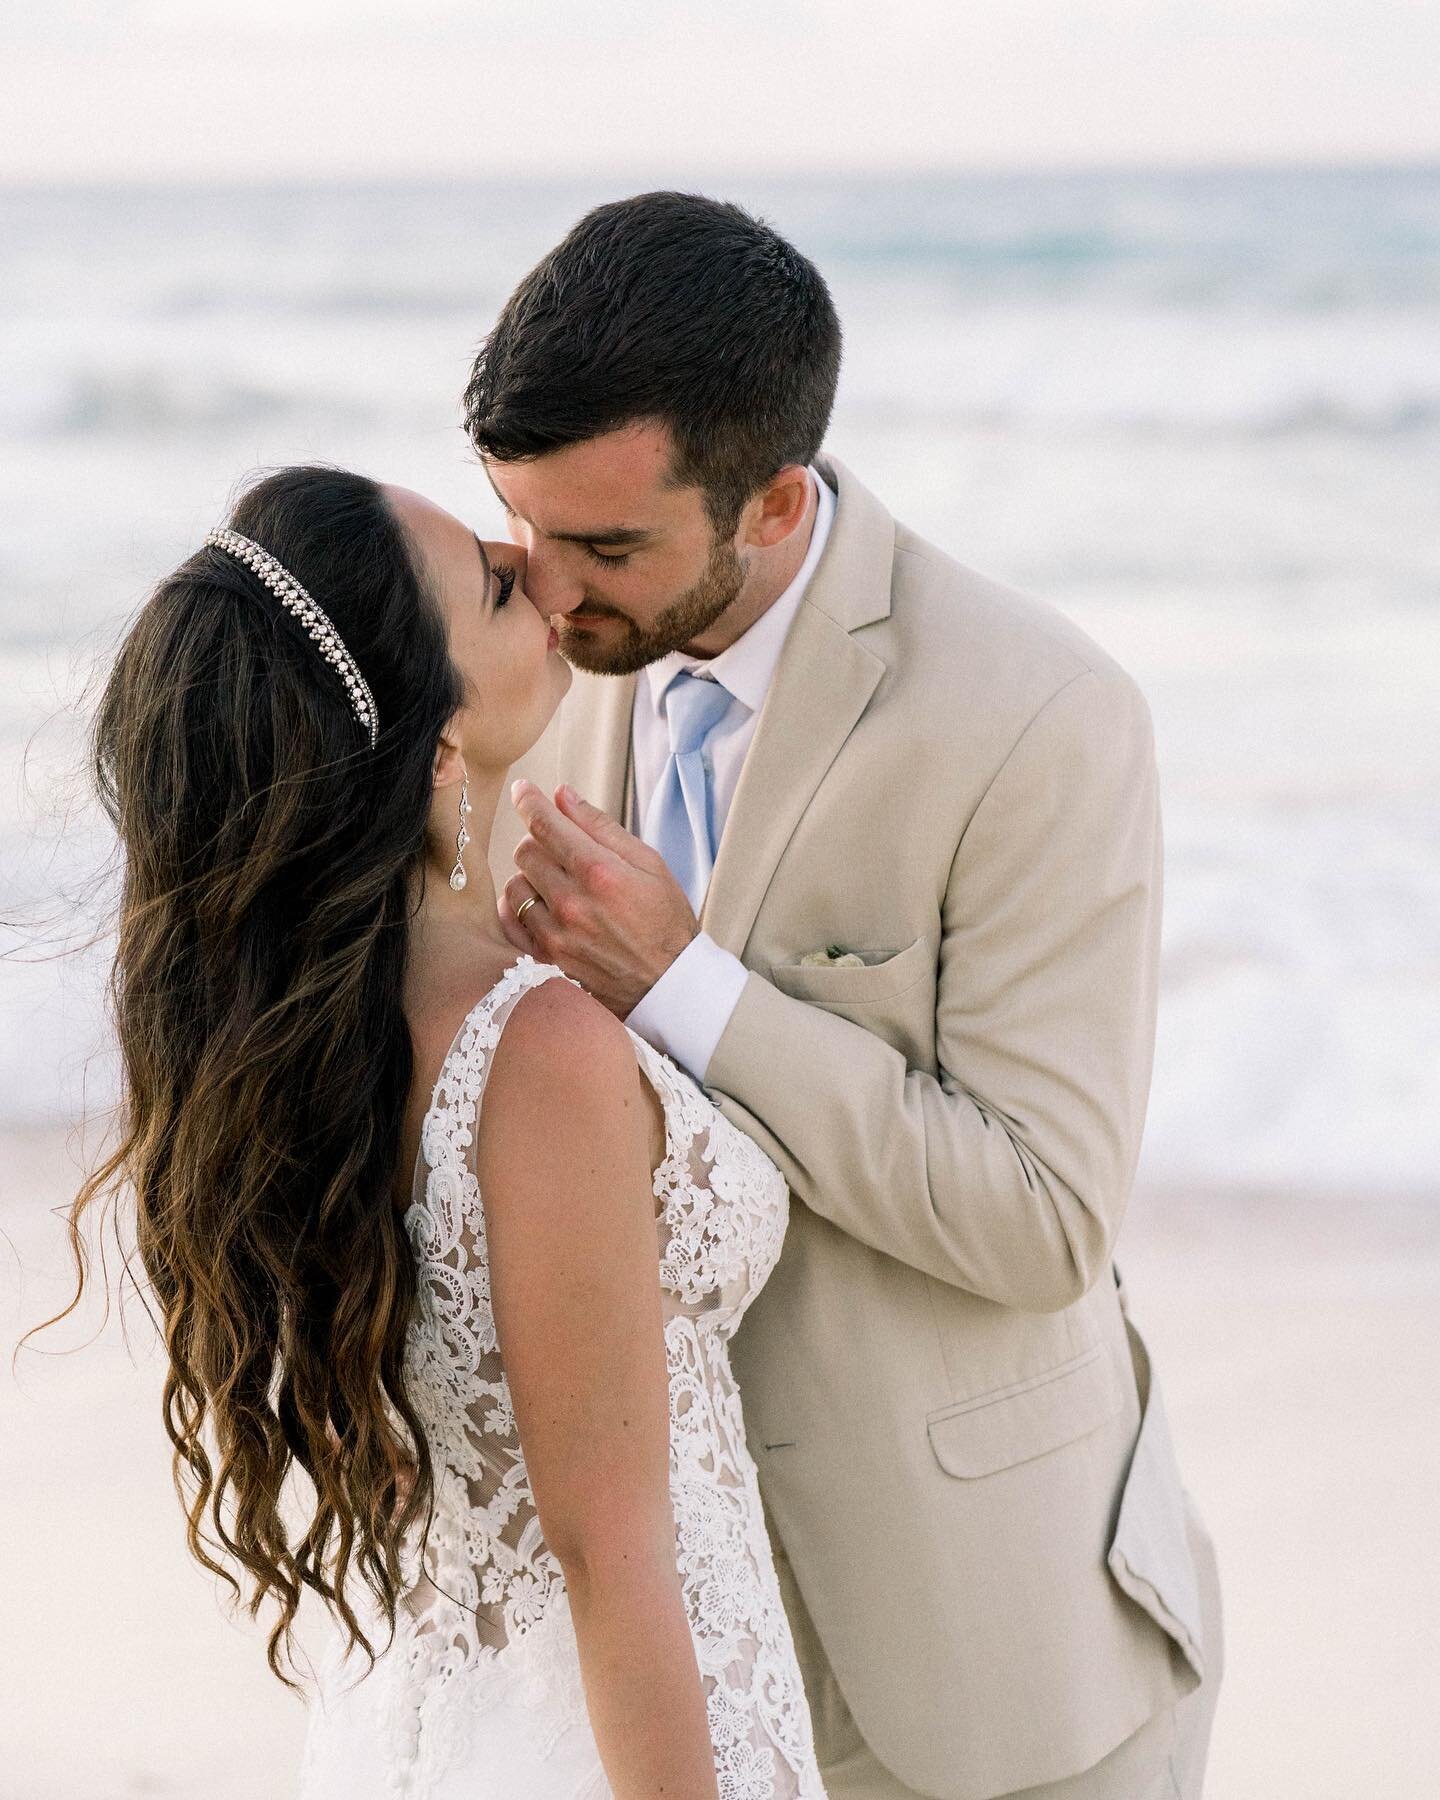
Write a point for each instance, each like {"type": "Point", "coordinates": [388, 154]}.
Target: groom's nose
{"type": "Point", "coordinates": [551, 588]}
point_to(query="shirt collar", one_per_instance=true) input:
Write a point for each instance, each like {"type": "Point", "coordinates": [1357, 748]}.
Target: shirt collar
{"type": "Point", "coordinates": [746, 666]}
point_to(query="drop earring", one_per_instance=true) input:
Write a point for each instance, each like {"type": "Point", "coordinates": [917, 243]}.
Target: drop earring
{"type": "Point", "coordinates": [458, 876]}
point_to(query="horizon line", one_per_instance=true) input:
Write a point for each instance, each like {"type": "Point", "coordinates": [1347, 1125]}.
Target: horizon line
{"type": "Point", "coordinates": [74, 182]}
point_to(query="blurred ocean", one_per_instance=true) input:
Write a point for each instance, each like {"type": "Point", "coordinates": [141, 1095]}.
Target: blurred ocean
{"type": "Point", "coordinates": [1199, 412]}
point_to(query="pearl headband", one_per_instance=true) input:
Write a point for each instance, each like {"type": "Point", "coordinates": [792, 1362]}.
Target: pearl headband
{"type": "Point", "coordinates": [295, 600]}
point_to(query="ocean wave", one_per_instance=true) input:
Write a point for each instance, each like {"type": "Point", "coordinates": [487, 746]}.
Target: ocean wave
{"type": "Point", "coordinates": [152, 402]}
{"type": "Point", "coordinates": [1306, 416]}
{"type": "Point", "coordinates": [1061, 267]}
{"type": "Point", "coordinates": [149, 401]}
{"type": "Point", "coordinates": [1089, 266]}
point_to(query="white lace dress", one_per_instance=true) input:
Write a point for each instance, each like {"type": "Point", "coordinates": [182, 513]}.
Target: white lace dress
{"type": "Point", "coordinates": [479, 1697]}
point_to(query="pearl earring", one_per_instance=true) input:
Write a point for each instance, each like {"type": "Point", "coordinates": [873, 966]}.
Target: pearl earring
{"type": "Point", "coordinates": [458, 876]}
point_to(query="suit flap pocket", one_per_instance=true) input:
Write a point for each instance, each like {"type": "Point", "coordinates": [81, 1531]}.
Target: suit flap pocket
{"type": "Point", "coordinates": [850, 986]}
{"type": "Point", "coordinates": [994, 1431]}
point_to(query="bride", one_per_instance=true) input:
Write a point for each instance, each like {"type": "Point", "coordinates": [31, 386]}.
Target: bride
{"type": "Point", "coordinates": [426, 1222]}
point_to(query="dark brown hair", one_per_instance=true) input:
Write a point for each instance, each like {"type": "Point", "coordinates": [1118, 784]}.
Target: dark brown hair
{"type": "Point", "coordinates": [669, 307]}
{"type": "Point", "coordinates": [270, 868]}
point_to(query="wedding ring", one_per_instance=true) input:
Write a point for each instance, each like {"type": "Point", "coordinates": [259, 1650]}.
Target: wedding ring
{"type": "Point", "coordinates": [521, 908]}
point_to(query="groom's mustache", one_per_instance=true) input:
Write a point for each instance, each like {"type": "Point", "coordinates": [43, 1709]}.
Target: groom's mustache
{"type": "Point", "coordinates": [586, 611]}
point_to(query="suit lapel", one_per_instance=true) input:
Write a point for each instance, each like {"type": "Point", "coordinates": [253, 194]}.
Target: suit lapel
{"type": "Point", "coordinates": [820, 688]}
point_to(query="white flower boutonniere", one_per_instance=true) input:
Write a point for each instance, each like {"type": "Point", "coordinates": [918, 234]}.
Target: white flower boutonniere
{"type": "Point", "coordinates": [833, 956]}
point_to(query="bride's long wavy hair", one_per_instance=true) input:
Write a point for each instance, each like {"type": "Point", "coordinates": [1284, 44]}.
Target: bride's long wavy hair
{"type": "Point", "coordinates": [271, 864]}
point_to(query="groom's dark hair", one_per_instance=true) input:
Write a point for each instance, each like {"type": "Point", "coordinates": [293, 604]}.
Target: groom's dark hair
{"type": "Point", "coordinates": [670, 307]}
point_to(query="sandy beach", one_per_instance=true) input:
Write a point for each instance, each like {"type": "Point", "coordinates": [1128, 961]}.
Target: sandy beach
{"type": "Point", "coordinates": [1298, 1340]}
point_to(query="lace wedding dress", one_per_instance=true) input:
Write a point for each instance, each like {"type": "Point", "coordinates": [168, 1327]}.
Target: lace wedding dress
{"type": "Point", "coordinates": [479, 1696]}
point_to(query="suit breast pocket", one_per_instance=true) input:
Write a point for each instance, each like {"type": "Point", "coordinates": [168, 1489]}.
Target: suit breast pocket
{"type": "Point", "coordinates": [889, 974]}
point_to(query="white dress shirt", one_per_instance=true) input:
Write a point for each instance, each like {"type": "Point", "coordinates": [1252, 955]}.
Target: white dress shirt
{"type": "Point", "coordinates": [686, 1012]}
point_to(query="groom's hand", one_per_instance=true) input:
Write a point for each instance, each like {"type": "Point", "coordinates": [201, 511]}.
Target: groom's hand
{"type": "Point", "coordinates": [608, 911]}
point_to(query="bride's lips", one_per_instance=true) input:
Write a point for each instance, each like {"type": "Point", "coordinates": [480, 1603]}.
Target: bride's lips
{"type": "Point", "coordinates": [554, 639]}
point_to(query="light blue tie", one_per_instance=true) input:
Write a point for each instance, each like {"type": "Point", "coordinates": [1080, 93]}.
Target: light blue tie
{"type": "Point", "coordinates": [679, 822]}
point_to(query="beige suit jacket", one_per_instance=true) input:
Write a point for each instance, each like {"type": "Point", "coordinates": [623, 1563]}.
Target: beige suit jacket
{"type": "Point", "coordinates": [957, 1434]}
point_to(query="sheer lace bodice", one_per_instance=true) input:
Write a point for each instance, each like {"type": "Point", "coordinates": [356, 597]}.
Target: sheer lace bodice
{"type": "Point", "coordinates": [484, 1665]}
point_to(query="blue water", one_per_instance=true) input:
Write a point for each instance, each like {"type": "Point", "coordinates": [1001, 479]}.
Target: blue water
{"type": "Point", "coordinates": [1198, 411]}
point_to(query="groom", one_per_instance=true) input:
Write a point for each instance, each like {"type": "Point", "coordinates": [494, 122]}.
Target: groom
{"type": "Point", "coordinates": [916, 814]}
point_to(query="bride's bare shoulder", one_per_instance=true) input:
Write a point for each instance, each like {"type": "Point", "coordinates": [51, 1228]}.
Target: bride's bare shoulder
{"type": "Point", "coordinates": [560, 1040]}
{"type": "Point", "coordinates": [564, 1083]}
{"type": "Point", "coordinates": [559, 1048]}
{"type": "Point", "coordinates": [562, 1050]}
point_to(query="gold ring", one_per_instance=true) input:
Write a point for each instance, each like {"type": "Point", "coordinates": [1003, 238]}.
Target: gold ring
{"type": "Point", "coordinates": [520, 909]}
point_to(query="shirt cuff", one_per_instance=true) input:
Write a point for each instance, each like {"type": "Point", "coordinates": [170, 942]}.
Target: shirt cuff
{"type": "Point", "coordinates": [685, 1014]}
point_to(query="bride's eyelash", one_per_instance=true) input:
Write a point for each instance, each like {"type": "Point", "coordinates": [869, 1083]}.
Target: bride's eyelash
{"type": "Point", "coordinates": [506, 579]}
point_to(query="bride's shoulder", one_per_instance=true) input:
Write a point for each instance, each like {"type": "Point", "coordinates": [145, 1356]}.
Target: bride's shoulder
{"type": "Point", "coordinates": [567, 1120]}
{"type": "Point", "coordinates": [566, 1065]}
{"type": "Point", "coordinates": [555, 1019]}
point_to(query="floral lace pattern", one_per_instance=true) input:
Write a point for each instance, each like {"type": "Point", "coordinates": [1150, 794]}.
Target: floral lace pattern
{"type": "Point", "coordinates": [484, 1634]}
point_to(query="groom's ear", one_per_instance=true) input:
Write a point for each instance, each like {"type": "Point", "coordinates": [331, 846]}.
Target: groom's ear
{"type": "Point", "coordinates": [771, 515]}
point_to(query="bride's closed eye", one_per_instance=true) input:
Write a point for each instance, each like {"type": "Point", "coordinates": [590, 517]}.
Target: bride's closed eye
{"type": "Point", "coordinates": [504, 585]}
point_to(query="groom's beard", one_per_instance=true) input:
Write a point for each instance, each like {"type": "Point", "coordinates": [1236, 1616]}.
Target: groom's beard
{"type": "Point", "coordinates": [620, 646]}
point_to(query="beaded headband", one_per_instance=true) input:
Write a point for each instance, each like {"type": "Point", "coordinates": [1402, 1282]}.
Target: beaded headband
{"type": "Point", "coordinates": [294, 599]}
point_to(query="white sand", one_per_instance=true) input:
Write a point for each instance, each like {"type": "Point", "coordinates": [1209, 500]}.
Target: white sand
{"type": "Point", "coordinates": [1299, 1347]}
{"type": "Point", "coordinates": [1298, 1341]}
